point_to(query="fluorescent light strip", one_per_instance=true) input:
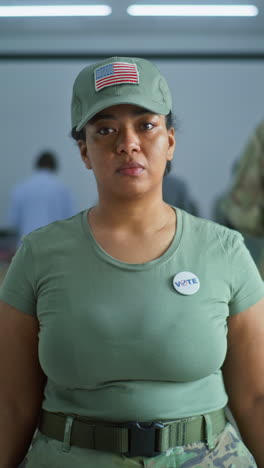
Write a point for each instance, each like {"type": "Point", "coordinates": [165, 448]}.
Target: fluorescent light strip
{"type": "Point", "coordinates": [192, 10]}
{"type": "Point", "coordinates": [55, 10]}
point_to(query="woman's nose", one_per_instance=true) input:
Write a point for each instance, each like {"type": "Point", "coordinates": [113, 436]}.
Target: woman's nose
{"type": "Point", "coordinates": [127, 141]}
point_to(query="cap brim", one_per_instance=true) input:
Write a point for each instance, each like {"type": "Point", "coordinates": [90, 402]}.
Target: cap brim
{"type": "Point", "coordinates": [154, 107]}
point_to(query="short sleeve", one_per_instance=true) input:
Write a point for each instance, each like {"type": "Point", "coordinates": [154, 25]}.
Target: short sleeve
{"type": "Point", "coordinates": [18, 288]}
{"type": "Point", "coordinates": [247, 286]}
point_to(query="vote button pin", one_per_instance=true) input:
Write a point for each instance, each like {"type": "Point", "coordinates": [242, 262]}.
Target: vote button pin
{"type": "Point", "coordinates": [186, 283]}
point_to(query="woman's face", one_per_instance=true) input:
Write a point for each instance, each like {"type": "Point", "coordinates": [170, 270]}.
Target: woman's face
{"type": "Point", "coordinates": [127, 148]}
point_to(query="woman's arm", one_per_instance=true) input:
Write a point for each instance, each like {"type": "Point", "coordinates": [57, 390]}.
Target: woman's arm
{"type": "Point", "coordinates": [243, 372]}
{"type": "Point", "coordinates": [21, 384]}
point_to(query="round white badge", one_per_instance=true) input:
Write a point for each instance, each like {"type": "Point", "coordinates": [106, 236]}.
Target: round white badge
{"type": "Point", "coordinates": [186, 283]}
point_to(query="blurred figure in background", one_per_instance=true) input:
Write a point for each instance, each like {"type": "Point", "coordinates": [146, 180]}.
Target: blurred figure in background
{"type": "Point", "coordinates": [40, 199]}
{"type": "Point", "coordinates": [242, 207]}
{"type": "Point", "coordinates": [176, 192]}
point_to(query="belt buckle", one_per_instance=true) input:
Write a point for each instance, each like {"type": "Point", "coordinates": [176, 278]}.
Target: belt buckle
{"type": "Point", "coordinates": [142, 439]}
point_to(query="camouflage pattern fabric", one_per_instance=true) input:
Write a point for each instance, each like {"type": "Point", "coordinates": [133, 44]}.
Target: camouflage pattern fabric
{"type": "Point", "coordinates": [244, 204]}
{"type": "Point", "coordinates": [229, 452]}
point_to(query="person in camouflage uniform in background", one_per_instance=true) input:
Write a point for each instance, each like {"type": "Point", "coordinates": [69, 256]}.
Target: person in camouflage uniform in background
{"type": "Point", "coordinates": [243, 206]}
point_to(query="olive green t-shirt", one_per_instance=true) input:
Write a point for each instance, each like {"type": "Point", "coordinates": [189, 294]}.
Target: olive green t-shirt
{"type": "Point", "coordinates": [117, 341]}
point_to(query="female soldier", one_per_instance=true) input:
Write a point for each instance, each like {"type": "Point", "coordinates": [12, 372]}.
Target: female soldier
{"type": "Point", "coordinates": [114, 322]}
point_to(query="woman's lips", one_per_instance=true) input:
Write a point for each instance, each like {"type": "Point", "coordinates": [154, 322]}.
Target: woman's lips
{"type": "Point", "coordinates": [131, 169]}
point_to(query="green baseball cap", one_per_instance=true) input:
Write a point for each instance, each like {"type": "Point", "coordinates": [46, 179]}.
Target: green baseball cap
{"type": "Point", "coordinates": [118, 80]}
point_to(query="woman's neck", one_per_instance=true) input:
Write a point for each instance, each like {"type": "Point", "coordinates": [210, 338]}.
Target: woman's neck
{"type": "Point", "coordinates": [133, 233]}
{"type": "Point", "coordinates": [137, 216]}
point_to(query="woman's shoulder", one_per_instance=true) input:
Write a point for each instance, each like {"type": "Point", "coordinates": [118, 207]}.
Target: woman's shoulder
{"type": "Point", "coordinates": [207, 230]}
{"type": "Point", "coordinates": [55, 232]}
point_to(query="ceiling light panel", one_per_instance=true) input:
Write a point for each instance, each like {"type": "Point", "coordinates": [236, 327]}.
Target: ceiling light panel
{"type": "Point", "coordinates": [54, 10]}
{"type": "Point", "coordinates": [192, 10]}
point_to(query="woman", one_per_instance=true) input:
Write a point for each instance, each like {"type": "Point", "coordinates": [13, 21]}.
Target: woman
{"type": "Point", "coordinates": [114, 322]}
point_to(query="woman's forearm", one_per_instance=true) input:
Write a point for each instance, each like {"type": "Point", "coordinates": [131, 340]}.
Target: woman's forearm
{"type": "Point", "coordinates": [16, 432]}
{"type": "Point", "coordinates": [251, 426]}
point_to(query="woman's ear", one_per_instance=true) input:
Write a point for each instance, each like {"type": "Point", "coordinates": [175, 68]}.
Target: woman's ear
{"type": "Point", "coordinates": [84, 153]}
{"type": "Point", "coordinates": [171, 143]}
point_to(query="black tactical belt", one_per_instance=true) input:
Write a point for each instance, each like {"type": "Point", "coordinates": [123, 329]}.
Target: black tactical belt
{"type": "Point", "coordinates": [133, 438]}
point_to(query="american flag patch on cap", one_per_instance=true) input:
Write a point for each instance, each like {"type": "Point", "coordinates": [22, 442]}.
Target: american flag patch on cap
{"type": "Point", "coordinates": [115, 73]}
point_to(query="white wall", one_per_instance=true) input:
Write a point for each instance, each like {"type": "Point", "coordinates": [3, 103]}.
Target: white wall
{"type": "Point", "coordinates": [218, 104]}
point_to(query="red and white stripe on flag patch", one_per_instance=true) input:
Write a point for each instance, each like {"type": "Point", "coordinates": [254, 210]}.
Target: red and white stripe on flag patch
{"type": "Point", "coordinates": [115, 73]}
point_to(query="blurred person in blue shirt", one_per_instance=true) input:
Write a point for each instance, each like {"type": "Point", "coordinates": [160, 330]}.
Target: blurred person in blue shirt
{"type": "Point", "coordinates": [40, 199]}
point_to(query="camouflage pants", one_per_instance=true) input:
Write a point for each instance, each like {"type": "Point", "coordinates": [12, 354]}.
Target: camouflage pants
{"type": "Point", "coordinates": [229, 452]}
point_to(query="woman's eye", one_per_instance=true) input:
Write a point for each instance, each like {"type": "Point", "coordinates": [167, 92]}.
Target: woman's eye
{"type": "Point", "coordinates": [148, 126]}
{"type": "Point", "coordinates": [105, 130]}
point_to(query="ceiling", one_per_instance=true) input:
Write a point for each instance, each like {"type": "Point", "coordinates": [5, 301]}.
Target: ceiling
{"type": "Point", "coordinates": [120, 32]}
